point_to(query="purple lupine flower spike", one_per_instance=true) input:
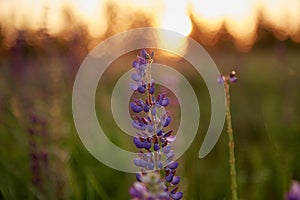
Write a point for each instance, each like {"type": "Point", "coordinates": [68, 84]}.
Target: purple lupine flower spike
{"type": "Point", "coordinates": [157, 179]}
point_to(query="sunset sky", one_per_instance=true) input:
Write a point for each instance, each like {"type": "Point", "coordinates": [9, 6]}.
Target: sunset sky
{"type": "Point", "coordinates": [240, 18]}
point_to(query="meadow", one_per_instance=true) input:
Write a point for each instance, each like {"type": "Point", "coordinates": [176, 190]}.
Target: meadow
{"type": "Point", "coordinates": [42, 157]}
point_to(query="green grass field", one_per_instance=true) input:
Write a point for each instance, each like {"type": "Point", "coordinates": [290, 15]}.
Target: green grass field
{"type": "Point", "coordinates": [42, 157]}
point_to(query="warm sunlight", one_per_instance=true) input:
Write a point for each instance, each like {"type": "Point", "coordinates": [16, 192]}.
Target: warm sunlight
{"type": "Point", "coordinates": [178, 23]}
{"type": "Point", "coordinates": [91, 12]}
{"type": "Point", "coordinates": [282, 15]}
{"type": "Point", "coordinates": [239, 18]}
{"type": "Point", "coordinates": [174, 17]}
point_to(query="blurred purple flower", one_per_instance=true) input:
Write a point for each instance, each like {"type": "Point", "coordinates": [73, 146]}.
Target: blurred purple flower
{"type": "Point", "coordinates": [221, 79]}
{"type": "Point", "coordinates": [231, 78]}
{"type": "Point", "coordinates": [294, 192]}
{"type": "Point", "coordinates": [38, 155]}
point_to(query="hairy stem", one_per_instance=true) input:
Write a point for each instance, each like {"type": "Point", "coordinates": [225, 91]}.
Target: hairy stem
{"type": "Point", "coordinates": [148, 76]}
{"type": "Point", "coordinates": [230, 145]}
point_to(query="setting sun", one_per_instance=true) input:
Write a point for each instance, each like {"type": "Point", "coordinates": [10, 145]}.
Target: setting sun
{"type": "Point", "coordinates": [178, 23]}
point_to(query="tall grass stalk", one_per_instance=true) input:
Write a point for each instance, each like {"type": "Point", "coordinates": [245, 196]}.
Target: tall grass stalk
{"type": "Point", "coordinates": [234, 194]}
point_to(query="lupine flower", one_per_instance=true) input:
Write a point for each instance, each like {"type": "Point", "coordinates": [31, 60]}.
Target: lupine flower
{"type": "Point", "coordinates": [38, 156]}
{"type": "Point", "coordinates": [157, 179]}
{"type": "Point", "coordinates": [294, 192]}
{"type": "Point", "coordinates": [231, 78]}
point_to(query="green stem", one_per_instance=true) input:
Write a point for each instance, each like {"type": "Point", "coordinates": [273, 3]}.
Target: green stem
{"type": "Point", "coordinates": [230, 145]}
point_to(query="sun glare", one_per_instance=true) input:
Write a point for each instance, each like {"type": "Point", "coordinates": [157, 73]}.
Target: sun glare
{"type": "Point", "coordinates": [178, 23]}
{"type": "Point", "coordinates": [173, 16]}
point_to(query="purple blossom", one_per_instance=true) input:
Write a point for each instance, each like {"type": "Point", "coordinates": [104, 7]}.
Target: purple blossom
{"type": "Point", "coordinates": [173, 165]}
{"type": "Point", "coordinates": [166, 149]}
{"type": "Point", "coordinates": [176, 196]}
{"type": "Point", "coordinates": [231, 78]}
{"type": "Point", "coordinates": [294, 192]}
{"type": "Point", "coordinates": [137, 191]}
{"type": "Point", "coordinates": [156, 147]}
{"type": "Point", "coordinates": [159, 132]}
{"type": "Point", "coordinates": [160, 164]}
{"type": "Point", "coordinates": [135, 107]}
{"type": "Point", "coordinates": [167, 121]}
{"type": "Point", "coordinates": [142, 89]}
{"type": "Point", "coordinates": [157, 178]}
{"type": "Point", "coordinates": [169, 177]}
{"type": "Point", "coordinates": [170, 155]}
{"type": "Point", "coordinates": [221, 79]}
{"type": "Point", "coordinates": [138, 143]}
{"type": "Point", "coordinates": [138, 177]}
{"type": "Point", "coordinates": [176, 180]}
{"type": "Point", "coordinates": [152, 89]}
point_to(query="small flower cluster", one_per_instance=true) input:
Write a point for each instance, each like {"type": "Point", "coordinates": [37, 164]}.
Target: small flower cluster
{"type": "Point", "coordinates": [157, 179]}
{"type": "Point", "coordinates": [231, 78]}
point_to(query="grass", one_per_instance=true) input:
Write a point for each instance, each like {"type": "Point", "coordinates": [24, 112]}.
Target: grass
{"type": "Point", "coordinates": [265, 114]}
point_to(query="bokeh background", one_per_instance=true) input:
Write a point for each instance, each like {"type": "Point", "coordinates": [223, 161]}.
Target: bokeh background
{"type": "Point", "coordinates": [42, 44]}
